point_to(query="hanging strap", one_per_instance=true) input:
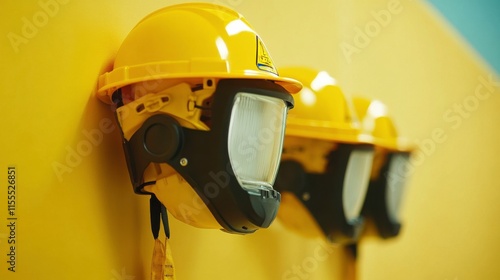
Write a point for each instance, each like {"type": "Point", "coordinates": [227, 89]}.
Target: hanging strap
{"type": "Point", "coordinates": [162, 265]}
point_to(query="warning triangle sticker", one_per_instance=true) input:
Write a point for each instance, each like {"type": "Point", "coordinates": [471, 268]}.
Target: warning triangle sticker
{"type": "Point", "coordinates": [264, 61]}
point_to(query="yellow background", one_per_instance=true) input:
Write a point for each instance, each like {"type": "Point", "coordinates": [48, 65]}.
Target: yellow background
{"type": "Point", "coordinates": [86, 223]}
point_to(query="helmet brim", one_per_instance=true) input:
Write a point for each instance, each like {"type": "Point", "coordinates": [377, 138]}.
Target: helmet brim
{"type": "Point", "coordinates": [111, 81]}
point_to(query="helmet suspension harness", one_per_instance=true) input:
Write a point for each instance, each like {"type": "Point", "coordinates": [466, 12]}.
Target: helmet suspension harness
{"type": "Point", "coordinates": [162, 264]}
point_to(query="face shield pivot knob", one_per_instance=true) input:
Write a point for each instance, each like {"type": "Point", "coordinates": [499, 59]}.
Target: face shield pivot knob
{"type": "Point", "coordinates": [161, 138]}
{"type": "Point", "coordinates": [157, 140]}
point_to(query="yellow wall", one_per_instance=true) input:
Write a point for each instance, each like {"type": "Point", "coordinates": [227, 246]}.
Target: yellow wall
{"type": "Point", "coordinates": [84, 222]}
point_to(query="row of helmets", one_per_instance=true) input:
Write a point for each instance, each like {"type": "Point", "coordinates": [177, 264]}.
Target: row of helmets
{"type": "Point", "coordinates": [342, 162]}
{"type": "Point", "coordinates": [208, 131]}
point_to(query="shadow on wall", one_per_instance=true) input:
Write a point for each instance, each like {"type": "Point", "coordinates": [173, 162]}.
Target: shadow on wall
{"type": "Point", "coordinates": [120, 206]}
{"type": "Point", "coordinates": [97, 147]}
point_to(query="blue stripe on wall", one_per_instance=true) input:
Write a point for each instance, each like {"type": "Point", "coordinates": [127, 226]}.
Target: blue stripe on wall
{"type": "Point", "coordinates": [478, 22]}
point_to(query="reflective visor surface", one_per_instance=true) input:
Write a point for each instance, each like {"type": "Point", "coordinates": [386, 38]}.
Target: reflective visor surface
{"type": "Point", "coordinates": [396, 181]}
{"type": "Point", "coordinates": [255, 138]}
{"type": "Point", "coordinates": [356, 182]}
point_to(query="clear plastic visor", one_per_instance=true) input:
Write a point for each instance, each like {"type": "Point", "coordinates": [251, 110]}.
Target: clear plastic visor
{"type": "Point", "coordinates": [396, 182]}
{"type": "Point", "coordinates": [356, 182]}
{"type": "Point", "coordinates": [255, 139]}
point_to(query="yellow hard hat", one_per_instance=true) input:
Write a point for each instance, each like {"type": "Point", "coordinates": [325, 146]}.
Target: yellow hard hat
{"type": "Point", "coordinates": [375, 121]}
{"type": "Point", "coordinates": [202, 112]}
{"type": "Point", "coordinates": [390, 167]}
{"type": "Point", "coordinates": [191, 41]}
{"type": "Point", "coordinates": [326, 161]}
{"type": "Point", "coordinates": [322, 110]}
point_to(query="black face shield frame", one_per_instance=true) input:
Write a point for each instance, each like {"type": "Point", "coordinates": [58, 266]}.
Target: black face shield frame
{"type": "Point", "coordinates": [322, 194]}
{"type": "Point", "coordinates": [379, 194]}
{"type": "Point", "coordinates": [202, 157]}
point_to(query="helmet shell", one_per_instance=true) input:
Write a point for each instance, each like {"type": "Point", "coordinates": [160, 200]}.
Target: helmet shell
{"type": "Point", "coordinates": [322, 111]}
{"type": "Point", "coordinates": [186, 41]}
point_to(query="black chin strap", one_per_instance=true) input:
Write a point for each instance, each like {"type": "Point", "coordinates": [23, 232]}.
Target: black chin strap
{"type": "Point", "coordinates": [162, 265]}
{"type": "Point", "coordinates": [158, 212]}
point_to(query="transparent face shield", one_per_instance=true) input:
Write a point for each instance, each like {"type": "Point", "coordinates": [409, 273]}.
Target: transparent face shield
{"type": "Point", "coordinates": [356, 182]}
{"type": "Point", "coordinates": [255, 139]}
{"type": "Point", "coordinates": [396, 182]}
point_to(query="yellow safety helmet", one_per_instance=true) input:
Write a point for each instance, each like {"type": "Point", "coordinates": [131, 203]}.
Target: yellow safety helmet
{"type": "Point", "coordinates": [202, 112]}
{"type": "Point", "coordinates": [389, 173]}
{"type": "Point", "coordinates": [322, 110]}
{"type": "Point", "coordinates": [326, 161]}
{"type": "Point", "coordinates": [191, 41]}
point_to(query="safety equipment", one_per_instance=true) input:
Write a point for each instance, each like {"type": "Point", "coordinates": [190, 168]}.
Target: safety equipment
{"type": "Point", "coordinates": [191, 41]}
{"type": "Point", "coordinates": [389, 175]}
{"type": "Point", "coordinates": [202, 112]}
{"type": "Point", "coordinates": [326, 161]}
